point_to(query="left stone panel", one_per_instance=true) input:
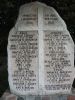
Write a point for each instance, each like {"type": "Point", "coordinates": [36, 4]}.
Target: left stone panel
{"type": "Point", "coordinates": [23, 62]}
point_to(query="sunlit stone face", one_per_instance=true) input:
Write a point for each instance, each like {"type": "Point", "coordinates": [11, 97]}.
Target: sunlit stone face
{"type": "Point", "coordinates": [40, 52]}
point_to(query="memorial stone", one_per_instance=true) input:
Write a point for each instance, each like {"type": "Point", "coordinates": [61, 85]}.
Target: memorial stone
{"type": "Point", "coordinates": [40, 52]}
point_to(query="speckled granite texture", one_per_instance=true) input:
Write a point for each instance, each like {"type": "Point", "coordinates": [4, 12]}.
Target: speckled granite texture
{"type": "Point", "coordinates": [8, 96]}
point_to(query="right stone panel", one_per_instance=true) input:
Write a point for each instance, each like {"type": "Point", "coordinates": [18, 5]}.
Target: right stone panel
{"type": "Point", "coordinates": [58, 61]}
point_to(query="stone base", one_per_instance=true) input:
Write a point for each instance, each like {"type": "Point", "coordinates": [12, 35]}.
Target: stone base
{"type": "Point", "coordinates": [9, 96]}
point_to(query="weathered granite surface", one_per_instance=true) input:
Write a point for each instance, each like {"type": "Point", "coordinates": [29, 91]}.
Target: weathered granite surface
{"type": "Point", "coordinates": [9, 96]}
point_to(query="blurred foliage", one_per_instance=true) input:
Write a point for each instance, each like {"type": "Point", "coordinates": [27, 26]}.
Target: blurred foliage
{"type": "Point", "coordinates": [8, 15]}
{"type": "Point", "coordinates": [3, 75]}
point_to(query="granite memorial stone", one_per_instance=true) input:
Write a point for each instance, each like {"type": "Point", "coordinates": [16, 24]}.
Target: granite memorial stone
{"type": "Point", "coordinates": [40, 52]}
